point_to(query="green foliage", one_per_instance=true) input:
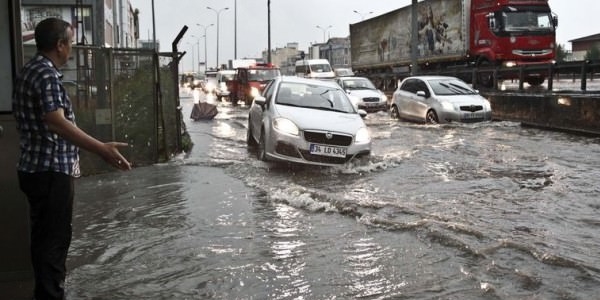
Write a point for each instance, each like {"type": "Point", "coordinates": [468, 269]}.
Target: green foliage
{"type": "Point", "coordinates": [561, 53]}
{"type": "Point", "coordinates": [593, 54]}
{"type": "Point", "coordinates": [135, 113]}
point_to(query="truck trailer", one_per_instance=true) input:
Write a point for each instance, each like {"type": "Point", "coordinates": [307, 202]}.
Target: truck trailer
{"type": "Point", "coordinates": [457, 33]}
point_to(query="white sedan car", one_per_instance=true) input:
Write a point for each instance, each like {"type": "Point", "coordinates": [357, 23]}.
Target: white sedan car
{"type": "Point", "coordinates": [307, 121]}
{"type": "Point", "coordinates": [439, 99]}
{"type": "Point", "coordinates": [363, 93]}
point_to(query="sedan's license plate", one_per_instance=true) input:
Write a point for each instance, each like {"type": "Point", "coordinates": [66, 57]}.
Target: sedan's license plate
{"type": "Point", "coordinates": [327, 150]}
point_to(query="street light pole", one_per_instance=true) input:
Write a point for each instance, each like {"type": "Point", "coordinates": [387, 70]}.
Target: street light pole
{"type": "Point", "coordinates": [205, 28]}
{"type": "Point", "coordinates": [235, 29]}
{"type": "Point", "coordinates": [269, 31]}
{"type": "Point", "coordinates": [362, 16]}
{"type": "Point", "coordinates": [324, 30]}
{"type": "Point", "coordinates": [198, 47]}
{"type": "Point", "coordinates": [218, 12]}
{"type": "Point", "coordinates": [193, 61]}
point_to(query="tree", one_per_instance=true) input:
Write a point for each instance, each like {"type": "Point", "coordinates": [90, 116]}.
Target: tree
{"type": "Point", "coordinates": [561, 53]}
{"type": "Point", "coordinates": [593, 54]}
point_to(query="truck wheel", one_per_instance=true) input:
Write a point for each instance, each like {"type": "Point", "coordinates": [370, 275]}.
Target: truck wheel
{"type": "Point", "coordinates": [485, 78]}
{"type": "Point", "coordinates": [431, 117]}
{"type": "Point", "coordinates": [535, 81]}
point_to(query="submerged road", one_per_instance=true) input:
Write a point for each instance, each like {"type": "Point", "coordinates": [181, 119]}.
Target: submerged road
{"type": "Point", "coordinates": [460, 211]}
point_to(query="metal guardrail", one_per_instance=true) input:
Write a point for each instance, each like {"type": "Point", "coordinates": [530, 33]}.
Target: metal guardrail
{"type": "Point", "coordinates": [581, 71]}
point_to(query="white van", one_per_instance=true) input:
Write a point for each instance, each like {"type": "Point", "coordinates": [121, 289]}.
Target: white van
{"type": "Point", "coordinates": [223, 76]}
{"type": "Point", "coordinates": [314, 68]}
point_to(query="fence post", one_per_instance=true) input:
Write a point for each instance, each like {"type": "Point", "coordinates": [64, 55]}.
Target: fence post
{"type": "Point", "coordinates": [495, 78]}
{"type": "Point", "coordinates": [521, 79]}
{"type": "Point", "coordinates": [584, 76]}
{"type": "Point", "coordinates": [551, 77]}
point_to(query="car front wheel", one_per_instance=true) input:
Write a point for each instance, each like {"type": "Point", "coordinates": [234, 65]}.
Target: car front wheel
{"type": "Point", "coordinates": [394, 113]}
{"type": "Point", "coordinates": [250, 141]}
{"type": "Point", "coordinates": [261, 154]}
{"type": "Point", "coordinates": [431, 117]}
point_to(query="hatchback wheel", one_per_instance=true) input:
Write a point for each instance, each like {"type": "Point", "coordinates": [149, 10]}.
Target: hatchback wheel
{"type": "Point", "coordinates": [394, 113]}
{"type": "Point", "coordinates": [431, 117]}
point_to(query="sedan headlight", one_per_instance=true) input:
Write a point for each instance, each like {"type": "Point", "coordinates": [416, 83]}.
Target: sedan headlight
{"type": "Point", "coordinates": [285, 126]}
{"type": "Point", "coordinates": [362, 136]}
{"type": "Point", "coordinates": [254, 92]}
{"type": "Point", "coordinates": [384, 98]}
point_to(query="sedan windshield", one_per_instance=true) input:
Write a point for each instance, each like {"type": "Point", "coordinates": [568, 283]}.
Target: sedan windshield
{"type": "Point", "coordinates": [314, 96]}
{"type": "Point", "coordinates": [447, 87]}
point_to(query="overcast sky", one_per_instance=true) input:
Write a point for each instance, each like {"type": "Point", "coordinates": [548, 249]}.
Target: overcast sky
{"type": "Point", "coordinates": [297, 21]}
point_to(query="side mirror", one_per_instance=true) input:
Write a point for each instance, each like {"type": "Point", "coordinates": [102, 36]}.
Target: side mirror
{"type": "Point", "coordinates": [362, 113]}
{"type": "Point", "coordinates": [491, 21]}
{"type": "Point", "coordinates": [260, 100]}
{"type": "Point", "coordinates": [421, 94]}
{"type": "Point", "coordinates": [555, 21]}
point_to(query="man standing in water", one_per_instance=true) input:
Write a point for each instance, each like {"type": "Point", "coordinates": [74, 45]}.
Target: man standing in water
{"type": "Point", "coordinates": [49, 160]}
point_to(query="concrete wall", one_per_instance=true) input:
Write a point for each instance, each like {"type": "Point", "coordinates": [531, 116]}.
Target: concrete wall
{"type": "Point", "coordinates": [576, 113]}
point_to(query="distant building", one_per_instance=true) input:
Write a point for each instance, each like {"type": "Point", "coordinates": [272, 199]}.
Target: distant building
{"type": "Point", "coordinates": [105, 23]}
{"type": "Point", "coordinates": [148, 44]}
{"type": "Point", "coordinates": [285, 58]}
{"type": "Point", "coordinates": [582, 45]}
{"type": "Point", "coordinates": [337, 51]}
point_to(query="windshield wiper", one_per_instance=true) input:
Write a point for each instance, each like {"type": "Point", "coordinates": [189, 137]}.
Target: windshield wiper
{"type": "Point", "coordinates": [462, 88]}
{"type": "Point", "coordinates": [327, 109]}
{"type": "Point", "coordinates": [328, 100]}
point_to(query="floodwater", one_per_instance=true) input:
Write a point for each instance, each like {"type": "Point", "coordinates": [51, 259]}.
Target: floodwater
{"type": "Point", "coordinates": [462, 211]}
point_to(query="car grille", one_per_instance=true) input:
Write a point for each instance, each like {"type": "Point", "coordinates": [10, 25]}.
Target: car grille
{"type": "Point", "coordinates": [370, 99]}
{"type": "Point", "coordinates": [471, 108]}
{"type": "Point", "coordinates": [321, 138]}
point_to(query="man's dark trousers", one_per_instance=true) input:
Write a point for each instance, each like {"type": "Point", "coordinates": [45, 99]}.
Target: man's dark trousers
{"type": "Point", "coordinates": [50, 197]}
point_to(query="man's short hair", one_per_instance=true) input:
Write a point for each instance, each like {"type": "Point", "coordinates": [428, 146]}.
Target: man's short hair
{"type": "Point", "coordinates": [49, 32]}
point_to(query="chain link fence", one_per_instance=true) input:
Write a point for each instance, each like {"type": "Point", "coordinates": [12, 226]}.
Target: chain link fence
{"type": "Point", "coordinates": [126, 95]}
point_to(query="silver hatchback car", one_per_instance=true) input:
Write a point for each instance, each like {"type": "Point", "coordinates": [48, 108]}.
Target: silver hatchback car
{"type": "Point", "coordinates": [439, 99]}
{"type": "Point", "coordinates": [307, 121]}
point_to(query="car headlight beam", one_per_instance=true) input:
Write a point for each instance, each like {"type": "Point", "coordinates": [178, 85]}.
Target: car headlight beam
{"type": "Point", "coordinates": [285, 126]}
{"type": "Point", "coordinates": [254, 92]}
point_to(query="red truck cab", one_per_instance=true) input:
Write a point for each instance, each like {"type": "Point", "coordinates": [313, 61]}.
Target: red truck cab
{"type": "Point", "coordinates": [250, 81]}
{"type": "Point", "coordinates": [512, 33]}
